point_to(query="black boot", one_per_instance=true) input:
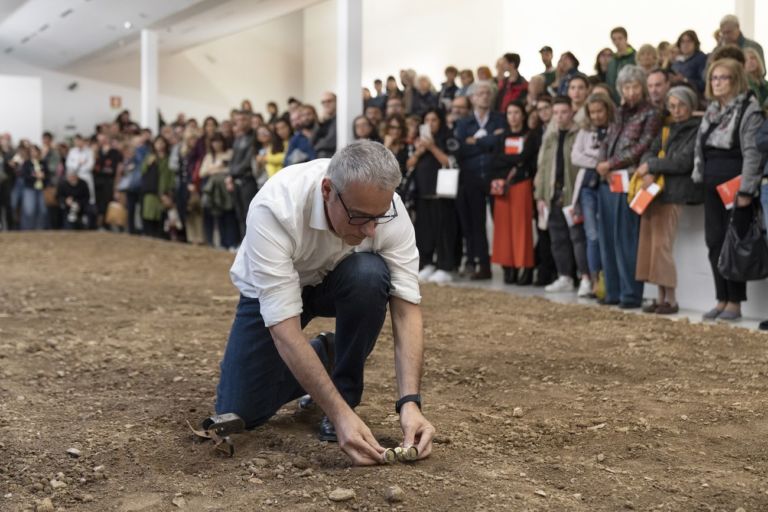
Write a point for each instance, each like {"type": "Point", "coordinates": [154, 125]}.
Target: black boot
{"type": "Point", "coordinates": [525, 278]}
{"type": "Point", "coordinates": [510, 275]}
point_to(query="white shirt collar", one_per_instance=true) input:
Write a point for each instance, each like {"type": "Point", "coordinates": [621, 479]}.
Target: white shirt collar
{"type": "Point", "coordinates": [317, 218]}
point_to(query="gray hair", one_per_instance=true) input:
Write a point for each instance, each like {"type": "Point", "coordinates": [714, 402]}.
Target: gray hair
{"type": "Point", "coordinates": [476, 86]}
{"type": "Point", "coordinates": [366, 162]}
{"type": "Point", "coordinates": [686, 95]}
{"type": "Point", "coordinates": [630, 74]}
{"type": "Point", "coordinates": [729, 19]}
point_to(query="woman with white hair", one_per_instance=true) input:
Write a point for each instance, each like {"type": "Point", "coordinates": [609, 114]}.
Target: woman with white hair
{"type": "Point", "coordinates": [629, 137]}
{"type": "Point", "coordinates": [423, 97]}
{"type": "Point", "coordinates": [725, 149]}
{"type": "Point", "coordinates": [671, 157]}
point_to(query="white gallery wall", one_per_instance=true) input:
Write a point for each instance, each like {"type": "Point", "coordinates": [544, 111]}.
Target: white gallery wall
{"type": "Point", "coordinates": [21, 106]}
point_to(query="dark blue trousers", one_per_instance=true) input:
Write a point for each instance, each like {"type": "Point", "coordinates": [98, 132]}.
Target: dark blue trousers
{"type": "Point", "coordinates": [619, 231]}
{"type": "Point", "coordinates": [256, 382]}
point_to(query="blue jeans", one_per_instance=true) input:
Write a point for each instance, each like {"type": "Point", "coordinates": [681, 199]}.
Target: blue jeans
{"type": "Point", "coordinates": [619, 230]}
{"type": "Point", "coordinates": [34, 213]}
{"type": "Point", "coordinates": [589, 209]}
{"type": "Point", "coordinates": [256, 382]}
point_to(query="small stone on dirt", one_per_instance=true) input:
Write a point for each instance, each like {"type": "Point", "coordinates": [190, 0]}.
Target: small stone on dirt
{"type": "Point", "coordinates": [394, 494]}
{"type": "Point", "coordinates": [540, 493]}
{"type": "Point", "coordinates": [517, 412]}
{"type": "Point", "coordinates": [179, 501]}
{"type": "Point", "coordinates": [600, 457]}
{"type": "Point", "coordinates": [73, 452]}
{"type": "Point", "coordinates": [44, 505]}
{"type": "Point", "coordinates": [340, 494]}
{"type": "Point", "coordinates": [57, 484]}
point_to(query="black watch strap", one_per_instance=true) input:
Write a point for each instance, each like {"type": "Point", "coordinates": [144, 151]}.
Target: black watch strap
{"type": "Point", "coordinates": [407, 398]}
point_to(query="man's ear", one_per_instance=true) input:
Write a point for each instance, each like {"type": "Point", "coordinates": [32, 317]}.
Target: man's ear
{"type": "Point", "coordinates": [325, 186]}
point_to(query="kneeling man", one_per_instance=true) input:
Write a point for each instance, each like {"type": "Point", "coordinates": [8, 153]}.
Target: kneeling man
{"type": "Point", "coordinates": [327, 238]}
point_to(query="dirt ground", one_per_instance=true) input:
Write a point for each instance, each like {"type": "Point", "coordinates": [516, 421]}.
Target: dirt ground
{"type": "Point", "coordinates": [109, 343]}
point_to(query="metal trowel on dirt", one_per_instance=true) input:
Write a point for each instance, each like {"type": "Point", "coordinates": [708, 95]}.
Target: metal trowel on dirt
{"type": "Point", "coordinates": [218, 428]}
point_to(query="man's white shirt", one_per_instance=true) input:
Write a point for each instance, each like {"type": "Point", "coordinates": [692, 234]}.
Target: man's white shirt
{"type": "Point", "coordinates": [288, 244]}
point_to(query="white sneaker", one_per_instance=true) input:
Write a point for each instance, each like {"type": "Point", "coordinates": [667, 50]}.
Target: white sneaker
{"type": "Point", "coordinates": [426, 272]}
{"type": "Point", "coordinates": [440, 277]}
{"type": "Point", "coordinates": [585, 287]}
{"type": "Point", "coordinates": [563, 284]}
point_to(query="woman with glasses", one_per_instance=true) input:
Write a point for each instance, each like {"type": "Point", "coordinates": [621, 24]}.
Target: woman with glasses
{"type": "Point", "coordinates": [436, 219]}
{"type": "Point", "coordinates": [629, 137]}
{"type": "Point", "coordinates": [690, 64]}
{"type": "Point", "coordinates": [726, 149]}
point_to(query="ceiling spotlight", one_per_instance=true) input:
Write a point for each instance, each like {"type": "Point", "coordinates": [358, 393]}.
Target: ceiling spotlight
{"type": "Point", "coordinates": [127, 25]}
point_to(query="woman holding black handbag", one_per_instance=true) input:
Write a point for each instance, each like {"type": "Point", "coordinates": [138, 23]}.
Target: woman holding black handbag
{"type": "Point", "coordinates": [726, 149]}
{"type": "Point", "coordinates": [514, 167]}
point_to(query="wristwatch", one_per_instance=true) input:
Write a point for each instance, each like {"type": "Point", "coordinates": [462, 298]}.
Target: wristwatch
{"type": "Point", "coordinates": [407, 398]}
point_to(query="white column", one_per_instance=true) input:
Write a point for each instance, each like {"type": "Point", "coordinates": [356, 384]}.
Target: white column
{"type": "Point", "coordinates": [745, 11]}
{"type": "Point", "coordinates": [349, 71]}
{"type": "Point", "coordinates": [149, 80]}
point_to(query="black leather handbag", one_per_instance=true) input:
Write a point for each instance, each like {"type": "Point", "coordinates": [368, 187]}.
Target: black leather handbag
{"type": "Point", "coordinates": [745, 258]}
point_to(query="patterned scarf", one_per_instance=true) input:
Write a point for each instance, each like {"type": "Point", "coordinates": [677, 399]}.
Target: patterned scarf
{"type": "Point", "coordinates": [725, 118]}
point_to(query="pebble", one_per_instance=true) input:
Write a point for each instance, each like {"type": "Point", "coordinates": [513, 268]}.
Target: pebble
{"type": "Point", "coordinates": [57, 484]}
{"type": "Point", "coordinates": [340, 494]}
{"type": "Point", "coordinates": [517, 412]}
{"type": "Point", "coordinates": [629, 505]}
{"type": "Point", "coordinates": [740, 509]}
{"type": "Point", "coordinates": [45, 505]}
{"type": "Point", "coordinates": [540, 493]}
{"type": "Point", "coordinates": [87, 498]}
{"type": "Point", "coordinates": [394, 494]}
{"type": "Point", "coordinates": [98, 469]}
{"type": "Point", "coordinates": [179, 501]}
{"type": "Point", "coordinates": [73, 452]}
{"type": "Point", "coordinates": [600, 457]}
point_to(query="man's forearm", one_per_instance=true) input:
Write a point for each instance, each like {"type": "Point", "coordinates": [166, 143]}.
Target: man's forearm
{"type": "Point", "coordinates": [408, 331]}
{"type": "Point", "coordinates": [306, 366]}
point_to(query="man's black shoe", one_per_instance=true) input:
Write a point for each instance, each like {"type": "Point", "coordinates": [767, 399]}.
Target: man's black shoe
{"type": "Point", "coordinates": [327, 431]}
{"type": "Point", "coordinates": [763, 326]}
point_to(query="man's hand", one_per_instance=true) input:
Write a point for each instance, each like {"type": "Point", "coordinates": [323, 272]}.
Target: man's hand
{"type": "Point", "coordinates": [229, 183]}
{"type": "Point", "coordinates": [603, 168]}
{"type": "Point", "coordinates": [357, 441]}
{"type": "Point", "coordinates": [416, 429]}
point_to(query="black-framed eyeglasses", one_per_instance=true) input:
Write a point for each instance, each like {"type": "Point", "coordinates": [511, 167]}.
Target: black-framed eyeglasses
{"type": "Point", "coordinates": [361, 220]}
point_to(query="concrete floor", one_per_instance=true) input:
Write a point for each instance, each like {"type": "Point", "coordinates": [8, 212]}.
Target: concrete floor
{"type": "Point", "coordinates": [497, 283]}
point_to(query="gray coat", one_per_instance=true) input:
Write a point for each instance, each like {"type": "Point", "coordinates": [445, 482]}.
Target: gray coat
{"type": "Point", "coordinates": [751, 172]}
{"type": "Point", "coordinates": [677, 164]}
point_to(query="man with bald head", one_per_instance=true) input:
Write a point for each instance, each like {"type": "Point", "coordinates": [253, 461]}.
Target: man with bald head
{"type": "Point", "coordinates": [730, 33]}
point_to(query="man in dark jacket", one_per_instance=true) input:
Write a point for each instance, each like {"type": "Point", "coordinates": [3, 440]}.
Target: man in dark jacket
{"type": "Point", "coordinates": [325, 138]}
{"type": "Point", "coordinates": [240, 181]}
{"type": "Point", "coordinates": [477, 135]}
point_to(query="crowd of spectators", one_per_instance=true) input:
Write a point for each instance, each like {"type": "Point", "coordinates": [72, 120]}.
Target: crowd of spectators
{"type": "Point", "coordinates": [558, 158]}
